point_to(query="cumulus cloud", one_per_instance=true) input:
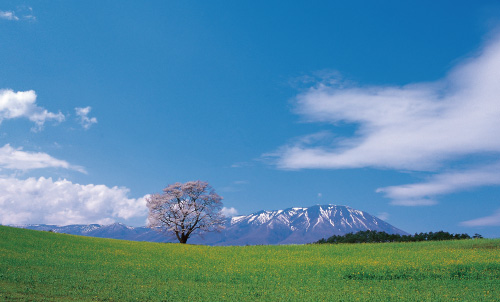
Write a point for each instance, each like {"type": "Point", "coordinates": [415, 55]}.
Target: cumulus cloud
{"type": "Point", "coordinates": [23, 104]}
{"type": "Point", "coordinates": [414, 127]}
{"type": "Point", "coordinates": [424, 193]}
{"type": "Point", "coordinates": [229, 212]}
{"type": "Point", "coordinates": [83, 118]}
{"type": "Point", "coordinates": [63, 202]}
{"type": "Point", "coordinates": [492, 220]}
{"type": "Point", "coordinates": [17, 159]}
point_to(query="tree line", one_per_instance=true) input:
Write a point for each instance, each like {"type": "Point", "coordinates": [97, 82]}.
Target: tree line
{"type": "Point", "coordinates": [378, 237]}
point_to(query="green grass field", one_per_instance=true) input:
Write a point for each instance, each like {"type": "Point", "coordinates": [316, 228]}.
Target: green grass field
{"type": "Point", "coordinates": [42, 266]}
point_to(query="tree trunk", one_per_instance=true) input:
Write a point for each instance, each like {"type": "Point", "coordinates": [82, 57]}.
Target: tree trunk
{"type": "Point", "coordinates": [183, 239]}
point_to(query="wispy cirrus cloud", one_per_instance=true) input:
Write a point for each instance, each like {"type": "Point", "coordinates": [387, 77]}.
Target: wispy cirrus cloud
{"type": "Point", "coordinates": [383, 215]}
{"type": "Point", "coordinates": [425, 193]}
{"type": "Point", "coordinates": [22, 104]}
{"type": "Point", "coordinates": [62, 202]}
{"type": "Point", "coordinates": [491, 220]}
{"type": "Point", "coordinates": [22, 13]}
{"type": "Point", "coordinates": [17, 159]}
{"type": "Point", "coordinates": [229, 212]}
{"type": "Point", "coordinates": [8, 15]}
{"type": "Point", "coordinates": [416, 127]}
{"type": "Point", "coordinates": [235, 186]}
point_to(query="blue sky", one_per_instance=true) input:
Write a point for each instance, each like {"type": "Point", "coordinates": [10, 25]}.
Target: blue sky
{"type": "Point", "coordinates": [391, 108]}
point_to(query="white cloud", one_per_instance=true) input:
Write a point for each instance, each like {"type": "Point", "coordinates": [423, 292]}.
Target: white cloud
{"type": "Point", "coordinates": [383, 215]}
{"type": "Point", "coordinates": [63, 202]}
{"type": "Point", "coordinates": [229, 212]}
{"type": "Point", "coordinates": [424, 193]}
{"type": "Point", "coordinates": [8, 15]}
{"type": "Point", "coordinates": [28, 14]}
{"type": "Point", "coordinates": [83, 118]}
{"type": "Point", "coordinates": [417, 127]}
{"type": "Point", "coordinates": [24, 12]}
{"type": "Point", "coordinates": [23, 104]}
{"type": "Point", "coordinates": [492, 220]}
{"type": "Point", "coordinates": [16, 159]}
{"type": "Point", "coordinates": [414, 127]}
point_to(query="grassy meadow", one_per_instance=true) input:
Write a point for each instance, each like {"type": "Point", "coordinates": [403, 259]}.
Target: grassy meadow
{"type": "Point", "coordinates": [43, 266]}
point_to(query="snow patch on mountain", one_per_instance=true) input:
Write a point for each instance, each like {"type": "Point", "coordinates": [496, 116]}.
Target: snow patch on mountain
{"type": "Point", "coordinates": [297, 225]}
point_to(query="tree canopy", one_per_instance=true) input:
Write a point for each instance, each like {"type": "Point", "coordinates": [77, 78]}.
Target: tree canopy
{"type": "Point", "coordinates": [185, 209]}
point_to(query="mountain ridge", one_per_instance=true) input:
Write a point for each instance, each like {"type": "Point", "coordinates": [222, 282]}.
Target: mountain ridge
{"type": "Point", "coordinates": [296, 225]}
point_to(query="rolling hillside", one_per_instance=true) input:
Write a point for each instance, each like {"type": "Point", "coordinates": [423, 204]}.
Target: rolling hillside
{"type": "Point", "coordinates": [43, 266]}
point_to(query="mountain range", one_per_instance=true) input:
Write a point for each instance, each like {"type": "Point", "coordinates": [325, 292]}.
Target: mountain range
{"type": "Point", "coordinates": [289, 226]}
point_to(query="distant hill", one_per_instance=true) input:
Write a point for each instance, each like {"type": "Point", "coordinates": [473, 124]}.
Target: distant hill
{"type": "Point", "coordinates": [289, 226]}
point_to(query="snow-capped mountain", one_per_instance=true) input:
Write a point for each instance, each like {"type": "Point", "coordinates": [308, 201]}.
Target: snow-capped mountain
{"type": "Point", "coordinates": [289, 226]}
{"type": "Point", "coordinates": [301, 225]}
{"type": "Point", "coordinates": [113, 231]}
